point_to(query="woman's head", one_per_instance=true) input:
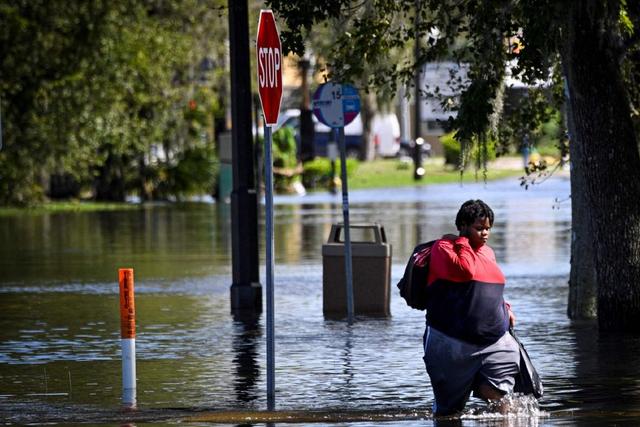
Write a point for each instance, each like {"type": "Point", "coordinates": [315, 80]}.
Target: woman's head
{"type": "Point", "coordinates": [474, 221]}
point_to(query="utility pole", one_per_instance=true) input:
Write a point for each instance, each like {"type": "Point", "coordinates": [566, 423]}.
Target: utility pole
{"type": "Point", "coordinates": [307, 149]}
{"type": "Point", "coordinates": [246, 291]}
{"type": "Point", "coordinates": [418, 170]}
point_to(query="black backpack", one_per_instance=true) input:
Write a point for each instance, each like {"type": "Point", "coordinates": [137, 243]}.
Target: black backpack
{"type": "Point", "coordinates": [413, 285]}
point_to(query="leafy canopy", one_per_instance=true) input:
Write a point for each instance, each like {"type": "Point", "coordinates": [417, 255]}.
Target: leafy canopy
{"type": "Point", "coordinates": [384, 42]}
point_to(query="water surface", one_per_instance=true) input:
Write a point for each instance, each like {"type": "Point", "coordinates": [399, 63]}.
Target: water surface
{"type": "Point", "coordinates": [59, 327]}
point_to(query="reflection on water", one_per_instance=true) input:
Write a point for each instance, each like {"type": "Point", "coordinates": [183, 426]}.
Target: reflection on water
{"type": "Point", "coordinates": [247, 335]}
{"type": "Point", "coordinates": [59, 328]}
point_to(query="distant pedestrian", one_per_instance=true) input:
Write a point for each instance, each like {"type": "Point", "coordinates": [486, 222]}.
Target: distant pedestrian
{"type": "Point", "coordinates": [467, 346]}
{"type": "Point", "coordinates": [526, 151]}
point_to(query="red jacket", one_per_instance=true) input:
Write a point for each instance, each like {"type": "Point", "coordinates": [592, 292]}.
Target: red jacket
{"type": "Point", "coordinates": [466, 287]}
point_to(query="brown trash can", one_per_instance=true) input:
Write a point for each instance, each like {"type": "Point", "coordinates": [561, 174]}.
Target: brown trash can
{"type": "Point", "coordinates": [371, 271]}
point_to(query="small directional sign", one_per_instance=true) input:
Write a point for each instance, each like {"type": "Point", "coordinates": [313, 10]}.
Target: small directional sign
{"type": "Point", "coordinates": [336, 105]}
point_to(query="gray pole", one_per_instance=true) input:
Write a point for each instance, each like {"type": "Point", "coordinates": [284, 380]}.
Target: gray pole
{"type": "Point", "coordinates": [246, 291]}
{"type": "Point", "coordinates": [347, 234]}
{"type": "Point", "coordinates": [307, 130]}
{"type": "Point", "coordinates": [268, 180]}
{"type": "Point", "coordinates": [404, 116]}
{"type": "Point", "coordinates": [418, 170]}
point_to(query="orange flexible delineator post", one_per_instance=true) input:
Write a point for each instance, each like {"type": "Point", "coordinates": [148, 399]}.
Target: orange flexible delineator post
{"type": "Point", "coordinates": [128, 336]}
{"type": "Point", "coordinates": [127, 304]}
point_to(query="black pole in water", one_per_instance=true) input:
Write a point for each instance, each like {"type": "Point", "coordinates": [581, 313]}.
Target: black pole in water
{"type": "Point", "coordinates": [246, 291]}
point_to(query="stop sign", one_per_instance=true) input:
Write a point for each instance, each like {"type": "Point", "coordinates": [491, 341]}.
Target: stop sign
{"type": "Point", "coordinates": [269, 53]}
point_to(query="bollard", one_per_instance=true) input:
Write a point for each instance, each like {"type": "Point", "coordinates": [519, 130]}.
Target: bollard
{"type": "Point", "coordinates": [128, 337]}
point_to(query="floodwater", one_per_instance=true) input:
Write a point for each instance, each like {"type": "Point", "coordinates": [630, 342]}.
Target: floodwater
{"type": "Point", "coordinates": [59, 317]}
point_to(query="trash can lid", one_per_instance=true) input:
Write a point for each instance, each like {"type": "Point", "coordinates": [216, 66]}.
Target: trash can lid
{"type": "Point", "coordinates": [359, 233]}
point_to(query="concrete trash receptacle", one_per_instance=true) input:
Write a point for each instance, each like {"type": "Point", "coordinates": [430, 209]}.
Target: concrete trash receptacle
{"type": "Point", "coordinates": [371, 271]}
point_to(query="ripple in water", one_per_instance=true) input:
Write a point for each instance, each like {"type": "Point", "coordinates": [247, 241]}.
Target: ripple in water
{"type": "Point", "coordinates": [514, 409]}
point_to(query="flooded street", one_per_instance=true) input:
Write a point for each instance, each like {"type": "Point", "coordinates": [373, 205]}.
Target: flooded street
{"type": "Point", "coordinates": [59, 322]}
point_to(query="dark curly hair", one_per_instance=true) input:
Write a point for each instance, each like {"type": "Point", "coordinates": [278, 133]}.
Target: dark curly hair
{"type": "Point", "coordinates": [472, 210]}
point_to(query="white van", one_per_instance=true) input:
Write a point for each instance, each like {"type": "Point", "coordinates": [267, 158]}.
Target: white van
{"type": "Point", "coordinates": [352, 132]}
{"type": "Point", "coordinates": [385, 134]}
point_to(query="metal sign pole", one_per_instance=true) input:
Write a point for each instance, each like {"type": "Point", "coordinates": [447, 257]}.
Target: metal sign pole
{"type": "Point", "coordinates": [268, 179]}
{"type": "Point", "coordinates": [345, 214]}
{"type": "Point", "coordinates": [269, 57]}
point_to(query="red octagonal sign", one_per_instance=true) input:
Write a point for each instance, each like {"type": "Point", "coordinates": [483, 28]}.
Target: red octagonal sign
{"type": "Point", "coordinates": [269, 53]}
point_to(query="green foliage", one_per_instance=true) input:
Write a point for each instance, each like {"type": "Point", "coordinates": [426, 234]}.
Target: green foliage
{"type": "Point", "coordinates": [317, 172]}
{"type": "Point", "coordinates": [381, 44]}
{"type": "Point", "coordinates": [195, 173]}
{"type": "Point", "coordinates": [549, 138]}
{"type": "Point", "coordinates": [451, 149]}
{"type": "Point", "coordinates": [371, 33]}
{"type": "Point", "coordinates": [286, 170]}
{"type": "Point", "coordinates": [91, 90]}
{"type": "Point", "coordinates": [41, 42]}
{"type": "Point", "coordinates": [478, 153]}
{"type": "Point", "coordinates": [284, 148]}
{"type": "Point", "coordinates": [528, 112]}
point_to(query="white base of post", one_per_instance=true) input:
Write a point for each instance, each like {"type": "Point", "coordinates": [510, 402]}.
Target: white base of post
{"type": "Point", "coordinates": [128, 372]}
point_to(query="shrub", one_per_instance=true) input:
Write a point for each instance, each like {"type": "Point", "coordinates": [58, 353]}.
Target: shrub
{"type": "Point", "coordinates": [317, 172]}
{"type": "Point", "coordinates": [284, 148]}
{"type": "Point", "coordinates": [285, 159]}
{"type": "Point", "coordinates": [451, 149]}
{"type": "Point", "coordinates": [474, 154]}
{"type": "Point", "coordinates": [195, 173]}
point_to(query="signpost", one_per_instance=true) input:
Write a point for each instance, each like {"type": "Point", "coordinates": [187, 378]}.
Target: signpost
{"type": "Point", "coordinates": [269, 61]}
{"type": "Point", "coordinates": [336, 105]}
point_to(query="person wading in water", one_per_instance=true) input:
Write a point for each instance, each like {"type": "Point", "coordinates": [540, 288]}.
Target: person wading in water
{"type": "Point", "coordinates": [467, 345]}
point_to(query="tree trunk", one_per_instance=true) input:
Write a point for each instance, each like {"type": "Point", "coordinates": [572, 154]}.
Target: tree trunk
{"type": "Point", "coordinates": [367, 151]}
{"type": "Point", "coordinates": [608, 155]}
{"type": "Point", "coordinates": [583, 287]}
{"type": "Point", "coordinates": [109, 184]}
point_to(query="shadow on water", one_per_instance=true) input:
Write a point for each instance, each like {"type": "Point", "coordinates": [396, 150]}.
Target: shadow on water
{"type": "Point", "coordinates": [607, 370]}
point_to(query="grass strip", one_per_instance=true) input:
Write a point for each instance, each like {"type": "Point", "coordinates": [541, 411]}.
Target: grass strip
{"type": "Point", "coordinates": [397, 173]}
{"type": "Point", "coordinates": [66, 206]}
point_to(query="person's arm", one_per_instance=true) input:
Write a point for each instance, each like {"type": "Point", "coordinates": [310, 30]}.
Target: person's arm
{"type": "Point", "coordinates": [512, 317]}
{"type": "Point", "coordinates": [460, 256]}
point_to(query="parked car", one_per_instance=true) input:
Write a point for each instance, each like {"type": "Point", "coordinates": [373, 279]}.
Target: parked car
{"type": "Point", "coordinates": [323, 134]}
